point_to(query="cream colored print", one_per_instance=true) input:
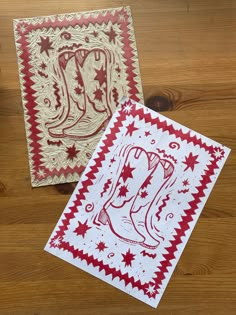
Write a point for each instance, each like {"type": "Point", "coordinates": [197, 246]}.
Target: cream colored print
{"type": "Point", "coordinates": [73, 70]}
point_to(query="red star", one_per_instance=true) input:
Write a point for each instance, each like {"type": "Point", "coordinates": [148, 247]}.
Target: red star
{"type": "Point", "coordinates": [123, 191]}
{"type": "Point", "coordinates": [130, 129]}
{"type": "Point", "coordinates": [82, 228]}
{"type": "Point", "coordinates": [101, 76]}
{"type": "Point", "coordinates": [143, 194]}
{"type": "Point", "coordinates": [112, 35]}
{"type": "Point", "coordinates": [190, 161]}
{"type": "Point", "coordinates": [43, 66]}
{"type": "Point", "coordinates": [185, 182]}
{"type": "Point", "coordinates": [98, 94]}
{"type": "Point", "coordinates": [127, 172]}
{"type": "Point", "coordinates": [78, 90]}
{"type": "Point", "coordinates": [147, 133]}
{"type": "Point", "coordinates": [72, 152]}
{"type": "Point", "coordinates": [128, 257]}
{"type": "Point", "coordinates": [45, 45]}
{"type": "Point", "coordinates": [101, 246]}
{"type": "Point", "coordinates": [112, 160]}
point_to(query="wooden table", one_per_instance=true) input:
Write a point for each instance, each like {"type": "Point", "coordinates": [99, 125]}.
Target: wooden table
{"type": "Point", "coordinates": [187, 52]}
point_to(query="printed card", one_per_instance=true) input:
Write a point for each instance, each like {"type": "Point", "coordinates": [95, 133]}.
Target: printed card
{"type": "Point", "coordinates": [138, 201]}
{"type": "Point", "coordinates": [74, 69]}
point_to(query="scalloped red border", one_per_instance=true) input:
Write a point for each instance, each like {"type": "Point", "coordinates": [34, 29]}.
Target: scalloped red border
{"type": "Point", "coordinates": [159, 276]}
{"type": "Point", "coordinates": [31, 104]}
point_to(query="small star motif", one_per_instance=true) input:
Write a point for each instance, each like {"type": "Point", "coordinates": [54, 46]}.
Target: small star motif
{"type": "Point", "coordinates": [72, 152]}
{"type": "Point", "coordinates": [185, 182]}
{"type": "Point", "coordinates": [45, 45]}
{"type": "Point", "coordinates": [128, 257]}
{"type": "Point", "coordinates": [130, 129]}
{"type": "Point", "coordinates": [143, 194]}
{"type": "Point", "coordinates": [112, 35]}
{"type": "Point", "coordinates": [121, 17]}
{"type": "Point", "coordinates": [112, 160]}
{"type": "Point", "coordinates": [41, 173]}
{"type": "Point", "coordinates": [101, 246]}
{"type": "Point", "coordinates": [151, 289]}
{"type": "Point", "coordinates": [43, 66]}
{"type": "Point", "coordinates": [123, 191]}
{"type": "Point", "coordinates": [98, 93]}
{"type": "Point", "coordinates": [127, 108]}
{"type": "Point", "coordinates": [127, 172]}
{"type": "Point", "coordinates": [101, 76]}
{"type": "Point", "coordinates": [218, 153]}
{"type": "Point", "coordinates": [82, 228]}
{"type": "Point", "coordinates": [56, 242]}
{"type": "Point", "coordinates": [78, 90]}
{"type": "Point", "coordinates": [22, 28]}
{"type": "Point", "coordinates": [147, 133]}
{"type": "Point", "coordinates": [190, 161]}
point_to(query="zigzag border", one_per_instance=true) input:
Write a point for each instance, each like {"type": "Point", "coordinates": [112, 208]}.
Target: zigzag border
{"type": "Point", "coordinates": [61, 21]}
{"type": "Point", "coordinates": [159, 276]}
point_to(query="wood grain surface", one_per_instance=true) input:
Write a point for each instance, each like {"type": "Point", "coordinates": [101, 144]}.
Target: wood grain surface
{"type": "Point", "coordinates": [187, 52]}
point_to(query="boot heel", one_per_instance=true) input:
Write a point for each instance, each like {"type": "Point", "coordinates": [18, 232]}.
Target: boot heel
{"type": "Point", "coordinates": [103, 217]}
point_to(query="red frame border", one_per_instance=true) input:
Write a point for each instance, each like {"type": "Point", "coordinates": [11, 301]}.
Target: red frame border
{"type": "Point", "coordinates": [193, 205]}
{"type": "Point", "coordinates": [31, 105]}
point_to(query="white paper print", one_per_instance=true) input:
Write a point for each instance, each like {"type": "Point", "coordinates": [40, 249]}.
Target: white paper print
{"type": "Point", "coordinates": [138, 200]}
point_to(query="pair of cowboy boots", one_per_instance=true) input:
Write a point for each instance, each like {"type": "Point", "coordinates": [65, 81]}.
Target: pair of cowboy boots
{"type": "Point", "coordinates": [85, 88]}
{"type": "Point", "coordinates": [132, 208]}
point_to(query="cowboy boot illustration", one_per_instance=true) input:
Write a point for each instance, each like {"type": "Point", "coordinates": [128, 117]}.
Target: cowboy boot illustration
{"type": "Point", "coordinates": [88, 104]}
{"type": "Point", "coordinates": [145, 204]}
{"type": "Point", "coordinates": [116, 210]}
{"type": "Point", "coordinates": [70, 110]}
